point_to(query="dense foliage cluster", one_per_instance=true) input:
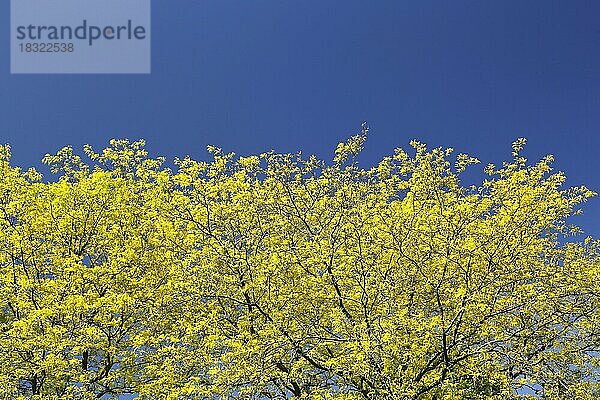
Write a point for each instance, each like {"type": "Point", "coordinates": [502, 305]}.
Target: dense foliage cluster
{"type": "Point", "coordinates": [275, 276]}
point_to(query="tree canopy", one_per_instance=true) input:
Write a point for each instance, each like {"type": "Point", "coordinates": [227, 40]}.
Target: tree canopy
{"type": "Point", "coordinates": [276, 276]}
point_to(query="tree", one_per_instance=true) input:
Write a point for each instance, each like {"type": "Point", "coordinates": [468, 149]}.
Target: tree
{"type": "Point", "coordinates": [275, 276]}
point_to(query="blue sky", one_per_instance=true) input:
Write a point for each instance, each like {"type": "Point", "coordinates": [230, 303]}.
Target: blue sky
{"type": "Point", "coordinates": [251, 76]}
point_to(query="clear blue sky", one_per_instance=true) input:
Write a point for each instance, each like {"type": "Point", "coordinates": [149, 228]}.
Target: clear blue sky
{"type": "Point", "coordinates": [251, 76]}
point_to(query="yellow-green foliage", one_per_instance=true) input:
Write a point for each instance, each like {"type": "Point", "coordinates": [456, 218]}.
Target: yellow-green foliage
{"type": "Point", "coordinates": [273, 276]}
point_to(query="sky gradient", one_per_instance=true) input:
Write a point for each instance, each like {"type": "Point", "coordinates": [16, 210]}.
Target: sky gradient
{"type": "Point", "coordinates": [251, 76]}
